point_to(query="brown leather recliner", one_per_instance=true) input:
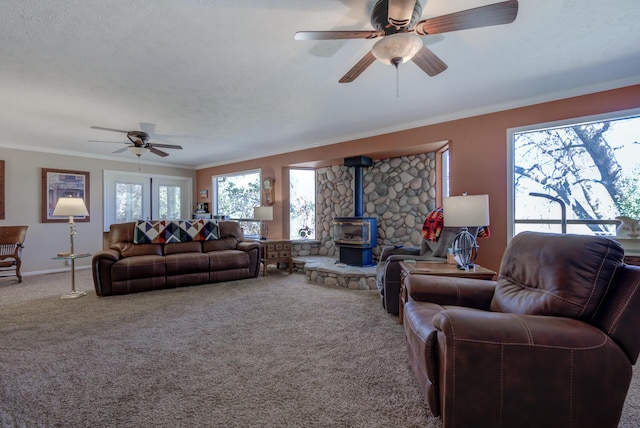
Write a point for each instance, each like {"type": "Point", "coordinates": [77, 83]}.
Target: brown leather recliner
{"type": "Point", "coordinates": [551, 343]}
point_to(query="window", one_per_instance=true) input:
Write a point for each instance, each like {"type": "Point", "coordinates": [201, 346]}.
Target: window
{"type": "Point", "coordinates": [575, 176]}
{"type": "Point", "coordinates": [445, 173]}
{"type": "Point", "coordinates": [235, 195]}
{"type": "Point", "coordinates": [131, 197]}
{"type": "Point", "coordinates": [302, 205]}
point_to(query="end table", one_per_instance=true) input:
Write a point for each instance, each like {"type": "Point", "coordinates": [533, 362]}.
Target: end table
{"type": "Point", "coordinates": [275, 251]}
{"type": "Point", "coordinates": [73, 258]}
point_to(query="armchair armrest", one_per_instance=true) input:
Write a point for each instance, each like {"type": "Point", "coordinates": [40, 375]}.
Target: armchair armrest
{"type": "Point", "coordinates": [110, 255]}
{"type": "Point", "coordinates": [247, 245]}
{"type": "Point", "coordinates": [499, 328]}
{"type": "Point", "coordinates": [443, 290]}
{"type": "Point", "coordinates": [398, 250]}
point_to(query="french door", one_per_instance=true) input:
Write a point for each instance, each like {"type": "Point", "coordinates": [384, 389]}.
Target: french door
{"type": "Point", "coordinates": [132, 196]}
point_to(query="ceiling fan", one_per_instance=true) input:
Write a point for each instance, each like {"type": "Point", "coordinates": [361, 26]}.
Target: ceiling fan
{"type": "Point", "coordinates": [393, 22]}
{"type": "Point", "coordinates": [138, 141]}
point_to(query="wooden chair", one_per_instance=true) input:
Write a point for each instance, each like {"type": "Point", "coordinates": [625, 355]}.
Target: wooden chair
{"type": "Point", "coordinates": [11, 244]}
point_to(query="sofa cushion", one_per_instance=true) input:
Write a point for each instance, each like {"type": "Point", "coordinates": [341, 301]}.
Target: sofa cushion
{"type": "Point", "coordinates": [186, 263]}
{"type": "Point", "coordinates": [141, 267]}
{"type": "Point", "coordinates": [129, 250]}
{"type": "Point", "coordinates": [228, 259]}
{"type": "Point", "coordinates": [546, 274]}
{"type": "Point", "coordinates": [171, 231]}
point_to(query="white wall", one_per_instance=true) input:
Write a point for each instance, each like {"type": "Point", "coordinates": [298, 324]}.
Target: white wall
{"type": "Point", "coordinates": [22, 205]}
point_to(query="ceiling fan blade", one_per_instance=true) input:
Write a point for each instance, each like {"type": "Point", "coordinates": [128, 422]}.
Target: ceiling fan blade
{"type": "Point", "coordinates": [158, 152]}
{"type": "Point", "coordinates": [429, 62]}
{"type": "Point", "coordinates": [166, 146]}
{"type": "Point", "coordinates": [483, 16]}
{"type": "Point", "coordinates": [102, 128]}
{"type": "Point", "coordinates": [357, 69]}
{"type": "Point", "coordinates": [124, 149]}
{"type": "Point", "coordinates": [103, 141]}
{"type": "Point", "coordinates": [400, 12]}
{"type": "Point", "coordinates": [337, 35]}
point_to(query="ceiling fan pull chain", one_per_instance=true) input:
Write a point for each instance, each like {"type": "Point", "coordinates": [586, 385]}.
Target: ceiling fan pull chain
{"type": "Point", "coordinates": [397, 82]}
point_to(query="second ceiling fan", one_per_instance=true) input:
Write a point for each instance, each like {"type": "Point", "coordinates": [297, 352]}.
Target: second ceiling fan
{"type": "Point", "coordinates": [139, 143]}
{"type": "Point", "coordinates": [394, 21]}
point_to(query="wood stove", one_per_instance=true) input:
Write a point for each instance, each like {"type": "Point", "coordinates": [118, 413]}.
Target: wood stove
{"type": "Point", "coordinates": [356, 236]}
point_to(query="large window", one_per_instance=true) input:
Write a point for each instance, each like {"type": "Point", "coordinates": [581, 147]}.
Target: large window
{"type": "Point", "coordinates": [235, 195]}
{"type": "Point", "coordinates": [577, 176]}
{"type": "Point", "coordinates": [302, 206]}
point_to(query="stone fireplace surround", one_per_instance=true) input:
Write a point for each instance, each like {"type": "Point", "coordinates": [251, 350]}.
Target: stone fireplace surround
{"type": "Point", "coordinates": [399, 192]}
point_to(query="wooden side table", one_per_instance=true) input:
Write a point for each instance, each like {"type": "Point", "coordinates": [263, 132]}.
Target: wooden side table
{"type": "Point", "coordinates": [274, 251]}
{"type": "Point", "coordinates": [435, 268]}
{"type": "Point", "coordinates": [632, 259]}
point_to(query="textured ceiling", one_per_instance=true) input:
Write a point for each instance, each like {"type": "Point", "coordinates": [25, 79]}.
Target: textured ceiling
{"type": "Point", "coordinates": [226, 79]}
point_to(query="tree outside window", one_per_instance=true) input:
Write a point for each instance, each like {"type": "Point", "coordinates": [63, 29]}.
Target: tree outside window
{"type": "Point", "coordinates": [592, 168]}
{"type": "Point", "coordinates": [235, 196]}
{"type": "Point", "coordinates": [302, 208]}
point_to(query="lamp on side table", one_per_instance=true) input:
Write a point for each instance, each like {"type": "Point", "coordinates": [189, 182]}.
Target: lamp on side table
{"type": "Point", "coordinates": [69, 206]}
{"type": "Point", "coordinates": [466, 211]}
{"type": "Point", "coordinates": [263, 214]}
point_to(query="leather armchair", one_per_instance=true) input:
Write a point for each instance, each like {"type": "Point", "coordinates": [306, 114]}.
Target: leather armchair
{"type": "Point", "coordinates": [550, 343]}
{"type": "Point", "coordinates": [388, 269]}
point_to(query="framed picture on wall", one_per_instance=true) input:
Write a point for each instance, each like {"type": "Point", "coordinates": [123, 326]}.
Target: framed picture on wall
{"type": "Point", "coordinates": [57, 183]}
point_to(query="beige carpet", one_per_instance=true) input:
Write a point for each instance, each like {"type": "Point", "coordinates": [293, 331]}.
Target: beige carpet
{"type": "Point", "coordinates": [266, 352]}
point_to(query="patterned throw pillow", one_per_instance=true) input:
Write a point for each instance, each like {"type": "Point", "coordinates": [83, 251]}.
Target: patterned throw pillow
{"type": "Point", "coordinates": [168, 231]}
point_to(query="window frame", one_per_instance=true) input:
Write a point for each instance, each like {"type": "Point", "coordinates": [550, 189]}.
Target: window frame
{"type": "Point", "coordinates": [214, 188]}
{"type": "Point", "coordinates": [315, 189]}
{"type": "Point", "coordinates": [510, 143]}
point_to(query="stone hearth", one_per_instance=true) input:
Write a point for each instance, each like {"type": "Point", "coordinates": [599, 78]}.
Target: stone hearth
{"type": "Point", "coordinates": [329, 271]}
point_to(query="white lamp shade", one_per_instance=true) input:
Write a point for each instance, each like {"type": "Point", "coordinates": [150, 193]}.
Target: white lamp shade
{"type": "Point", "coordinates": [263, 213]}
{"type": "Point", "coordinates": [138, 151]}
{"type": "Point", "coordinates": [68, 206]}
{"type": "Point", "coordinates": [400, 45]}
{"type": "Point", "coordinates": [466, 211]}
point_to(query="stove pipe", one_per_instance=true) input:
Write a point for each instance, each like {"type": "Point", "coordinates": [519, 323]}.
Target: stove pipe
{"type": "Point", "coordinates": [358, 191]}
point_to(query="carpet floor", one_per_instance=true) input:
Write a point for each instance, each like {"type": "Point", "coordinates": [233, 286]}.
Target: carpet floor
{"type": "Point", "coordinates": [265, 352]}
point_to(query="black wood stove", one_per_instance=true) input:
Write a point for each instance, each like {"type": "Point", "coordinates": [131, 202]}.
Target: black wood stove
{"type": "Point", "coordinates": [356, 236]}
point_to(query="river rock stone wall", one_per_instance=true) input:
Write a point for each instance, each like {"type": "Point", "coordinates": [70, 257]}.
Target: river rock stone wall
{"type": "Point", "coordinates": [399, 192]}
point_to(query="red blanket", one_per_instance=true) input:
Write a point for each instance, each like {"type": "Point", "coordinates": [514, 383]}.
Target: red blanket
{"type": "Point", "coordinates": [434, 223]}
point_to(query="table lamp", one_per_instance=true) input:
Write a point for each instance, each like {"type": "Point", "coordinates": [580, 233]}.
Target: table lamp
{"type": "Point", "coordinates": [263, 214]}
{"type": "Point", "coordinates": [466, 211]}
{"type": "Point", "coordinates": [70, 206]}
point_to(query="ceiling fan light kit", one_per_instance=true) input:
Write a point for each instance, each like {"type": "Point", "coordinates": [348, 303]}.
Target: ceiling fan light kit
{"type": "Point", "coordinates": [138, 151]}
{"type": "Point", "coordinates": [397, 48]}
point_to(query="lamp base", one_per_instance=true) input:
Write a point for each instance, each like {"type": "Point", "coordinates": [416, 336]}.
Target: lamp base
{"type": "Point", "coordinates": [465, 249]}
{"type": "Point", "coordinates": [264, 230]}
{"type": "Point", "coordinates": [73, 295]}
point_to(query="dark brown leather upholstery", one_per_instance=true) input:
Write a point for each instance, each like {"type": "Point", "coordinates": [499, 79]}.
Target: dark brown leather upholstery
{"type": "Point", "coordinates": [127, 267]}
{"type": "Point", "coordinates": [550, 343]}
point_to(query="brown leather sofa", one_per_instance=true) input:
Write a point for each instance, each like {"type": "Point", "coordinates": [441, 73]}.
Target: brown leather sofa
{"type": "Point", "coordinates": [128, 267]}
{"type": "Point", "coordinates": [551, 343]}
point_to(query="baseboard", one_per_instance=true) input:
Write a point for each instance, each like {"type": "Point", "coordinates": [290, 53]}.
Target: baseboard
{"type": "Point", "coordinates": [57, 270]}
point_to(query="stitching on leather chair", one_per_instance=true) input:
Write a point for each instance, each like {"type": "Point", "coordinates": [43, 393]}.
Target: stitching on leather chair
{"type": "Point", "coordinates": [525, 326]}
{"type": "Point", "coordinates": [595, 279]}
{"type": "Point", "coordinates": [622, 309]}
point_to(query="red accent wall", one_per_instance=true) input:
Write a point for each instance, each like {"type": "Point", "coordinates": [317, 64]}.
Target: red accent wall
{"type": "Point", "coordinates": [478, 155]}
